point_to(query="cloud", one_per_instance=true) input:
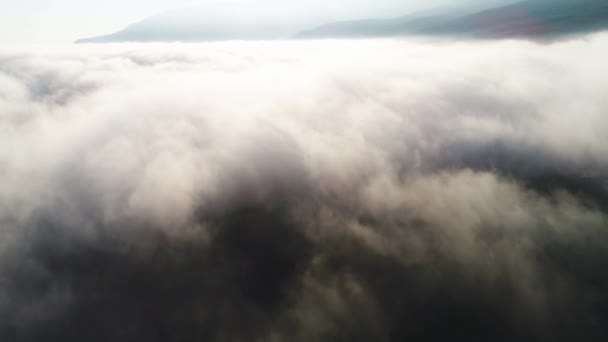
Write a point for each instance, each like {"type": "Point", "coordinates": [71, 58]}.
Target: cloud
{"type": "Point", "coordinates": [355, 190]}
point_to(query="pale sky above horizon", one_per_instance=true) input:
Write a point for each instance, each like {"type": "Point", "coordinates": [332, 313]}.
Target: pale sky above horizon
{"type": "Point", "coordinates": [63, 21]}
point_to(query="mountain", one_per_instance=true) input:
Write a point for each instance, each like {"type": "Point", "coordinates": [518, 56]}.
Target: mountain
{"type": "Point", "coordinates": [220, 22]}
{"type": "Point", "coordinates": [410, 24]}
{"type": "Point", "coordinates": [527, 19]}
{"type": "Point", "coordinates": [543, 18]}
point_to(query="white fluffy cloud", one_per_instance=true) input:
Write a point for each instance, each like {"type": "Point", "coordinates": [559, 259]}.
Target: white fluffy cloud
{"type": "Point", "coordinates": [467, 152]}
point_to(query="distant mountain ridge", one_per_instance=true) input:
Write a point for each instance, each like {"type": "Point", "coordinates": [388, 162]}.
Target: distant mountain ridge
{"type": "Point", "coordinates": [525, 19]}
{"type": "Point", "coordinates": [207, 24]}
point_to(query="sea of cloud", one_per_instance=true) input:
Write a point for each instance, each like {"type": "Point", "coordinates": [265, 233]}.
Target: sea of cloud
{"type": "Point", "coordinates": [364, 190]}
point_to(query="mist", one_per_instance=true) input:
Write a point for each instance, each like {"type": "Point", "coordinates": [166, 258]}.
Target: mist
{"type": "Point", "coordinates": [336, 190]}
{"type": "Point", "coordinates": [64, 21]}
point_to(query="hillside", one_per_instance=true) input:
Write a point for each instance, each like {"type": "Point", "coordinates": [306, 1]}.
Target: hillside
{"type": "Point", "coordinates": [525, 19]}
{"type": "Point", "coordinates": [531, 18]}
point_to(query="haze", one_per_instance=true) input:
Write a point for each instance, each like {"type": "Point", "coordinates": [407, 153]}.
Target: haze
{"type": "Point", "coordinates": [64, 21]}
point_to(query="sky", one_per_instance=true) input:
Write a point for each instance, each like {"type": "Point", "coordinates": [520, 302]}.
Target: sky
{"type": "Point", "coordinates": [63, 21]}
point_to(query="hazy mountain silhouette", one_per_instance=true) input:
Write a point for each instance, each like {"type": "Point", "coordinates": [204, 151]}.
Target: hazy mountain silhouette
{"type": "Point", "coordinates": [528, 19]}
{"type": "Point", "coordinates": [531, 18]}
{"type": "Point", "coordinates": [222, 22]}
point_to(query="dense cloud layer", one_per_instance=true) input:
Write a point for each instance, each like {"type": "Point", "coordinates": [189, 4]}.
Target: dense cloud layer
{"type": "Point", "coordinates": [305, 191]}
